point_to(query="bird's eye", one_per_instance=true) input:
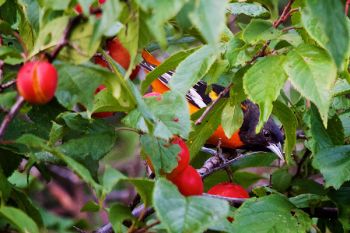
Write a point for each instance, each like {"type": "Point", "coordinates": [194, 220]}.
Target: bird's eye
{"type": "Point", "coordinates": [266, 133]}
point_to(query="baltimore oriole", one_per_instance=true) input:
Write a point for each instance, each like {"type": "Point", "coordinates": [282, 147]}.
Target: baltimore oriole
{"type": "Point", "coordinates": [269, 138]}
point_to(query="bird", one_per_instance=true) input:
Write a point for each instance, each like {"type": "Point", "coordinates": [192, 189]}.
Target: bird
{"type": "Point", "coordinates": [270, 138]}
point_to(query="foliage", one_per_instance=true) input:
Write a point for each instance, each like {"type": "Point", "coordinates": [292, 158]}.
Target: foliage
{"type": "Point", "coordinates": [291, 58]}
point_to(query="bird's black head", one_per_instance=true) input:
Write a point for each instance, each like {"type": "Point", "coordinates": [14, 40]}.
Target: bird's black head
{"type": "Point", "coordinates": [269, 138]}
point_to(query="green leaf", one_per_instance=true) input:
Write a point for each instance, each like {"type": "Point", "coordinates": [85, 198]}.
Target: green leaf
{"type": "Point", "coordinates": [107, 24]}
{"type": "Point", "coordinates": [161, 12]}
{"type": "Point", "coordinates": [90, 206]}
{"type": "Point", "coordinates": [56, 5]}
{"type": "Point", "coordinates": [51, 34]}
{"type": "Point", "coordinates": [144, 188]}
{"type": "Point", "coordinates": [281, 179]}
{"type": "Point", "coordinates": [77, 85]}
{"type": "Point", "coordinates": [110, 178]}
{"type": "Point", "coordinates": [341, 87]}
{"type": "Point", "coordinates": [35, 143]}
{"type": "Point", "coordinates": [5, 186]}
{"type": "Point", "coordinates": [231, 118]}
{"type": "Point", "coordinates": [313, 73]}
{"type": "Point", "coordinates": [200, 133]}
{"type": "Point", "coordinates": [253, 9]}
{"type": "Point", "coordinates": [266, 214]}
{"type": "Point", "coordinates": [130, 36]}
{"type": "Point", "coordinates": [209, 23]}
{"type": "Point", "coordinates": [23, 201]}
{"type": "Point", "coordinates": [289, 122]}
{"type": "Point", "coordinates": [263, 82]}
{"type": "Point", "coordinates": [56, 133]}
{"type": "Point", "coordinates": [334, 165]}
{"type": "Point", "coordinates": [320, 137]}
{"type": "Point", "coordinates": [260, 30]}
{"type": "Point", "coordinates": [9, 162]}
{"type": "Point", "coordinates": [193, 68]}
{"type": "Point", "coordinates": [186, 214]}
{"type": "Point", "coordinates": [342, 200]}
{"type": "Point", "coordinates": [10, 55]}
{"type": "Point", "coordinates": [245, 179]}
{"type": "Point", "coordinates": [329, 28]}
{"type": "Point", "coordinates": [257, 159]}
{"type": "Point", "coordinates": [162, 154]}
{"type": "Point", "coordinates": [86, 141]}
{"type": "Point", "coordinates": [307, 199]}
{"type": "Point", "coordinates": [172, 116]}
{"type": "Point", "coordinates": [39, 124]}
{"type": "Point", "coordinates": [19, 219]}
{"type": "Point", "coordinates": [238, 52]}
{"type": "Point", "coordinates": [117, 214]}
{"type": "Point", "coordinates": [169, 64]}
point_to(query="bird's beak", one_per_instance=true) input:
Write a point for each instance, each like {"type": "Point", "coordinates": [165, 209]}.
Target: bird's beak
{"type": "Point", "coordinates": [277, 149]}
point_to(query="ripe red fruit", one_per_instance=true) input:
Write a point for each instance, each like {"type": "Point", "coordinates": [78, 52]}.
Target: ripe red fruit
{"type": "Point", "coordinates": [101, 114]}
{"type": "Point", "coordinates": [78, 9]}
{"type": "Point", "coordinates": [100, 61]}
{"type": "Point", "coordinates": [183, 158]}
{"type": "Point", "coordinates": [37, 82]}
{"type": "Point", "coordinates": [121, 55]}
{"type": "Point", "coordinates": [189, 182]}
{"type": "Point", "coordinates": [227, 189]}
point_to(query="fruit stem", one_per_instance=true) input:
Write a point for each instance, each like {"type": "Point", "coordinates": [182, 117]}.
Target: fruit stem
{"type": "Point", "coordinates": [12, 113]}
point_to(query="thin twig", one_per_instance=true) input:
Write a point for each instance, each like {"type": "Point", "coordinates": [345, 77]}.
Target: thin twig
{"type": "Point", "coordinates": [261, 53]}
{"type": "Point", "coordinates": [290, 28]}
{"type": "Point", "coordinates": [9, 84]}
{"type": "Point", "coordinates": [211, 106]}
{"type": "Point", "coordinates": [287, 11]}
{"type": "Point", "coordinates": [136, 212]}
{"type": "Point", "coordinates": [12, 113]}
{"type": "Point", "coordinates": [65, 38]}
{"type": "Point", "coordinates": [145, 229]}
{"type": "Point", "coordinates": [285, 14]}
{"type": "Point", "coordinates": [300, 163]}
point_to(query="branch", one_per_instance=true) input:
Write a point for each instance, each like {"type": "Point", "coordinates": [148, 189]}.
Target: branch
{"type": "Point", "coordinates": [205, 171]}
{"type": "Point", "coordinates": [290, 28]}
{"type": "Point", "coordinates": [285, 14]}
{"type": "Point", "coordinates": [8, 118]}
{"type": "Point", "coordinates": [65, 38]}
{"type": "Point", "coordinates": [4, 86]}
{"type": "Point", "coordinates": [287, 11]}
{"type": "Point", "coordinates": [261, 53]}
{"type": "Point", "coordinates": [140, 210]}
{"type": "Point", "coordinates": [211, 106]}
